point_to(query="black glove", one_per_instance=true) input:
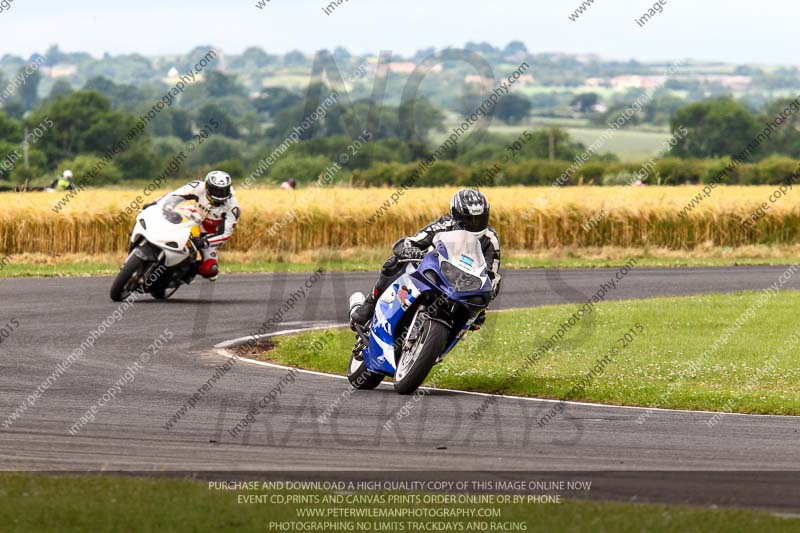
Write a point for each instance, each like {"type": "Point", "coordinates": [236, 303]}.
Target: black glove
{"type": "Point", "coordinates": [496, 282]}
{"type": "Point", "coordinates": [411, 252]}
{"type": "Point", "coordinates": [201, 243]}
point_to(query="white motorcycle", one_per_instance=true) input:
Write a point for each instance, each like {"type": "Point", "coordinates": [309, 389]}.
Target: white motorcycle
{"type": "Point", "coordinates": [162, 254]}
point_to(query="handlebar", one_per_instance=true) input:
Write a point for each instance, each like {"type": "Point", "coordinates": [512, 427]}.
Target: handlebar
{"type": "Point", "coordinates": [172, 205]}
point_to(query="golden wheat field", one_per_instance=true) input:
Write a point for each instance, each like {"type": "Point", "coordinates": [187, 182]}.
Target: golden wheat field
{"type": "Point", "coordinates": [527, 218]}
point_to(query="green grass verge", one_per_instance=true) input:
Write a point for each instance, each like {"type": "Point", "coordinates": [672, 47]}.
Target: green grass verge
{"type": "Point", "coordinates": [108, 268]}
{"type": "Point", "coordinates": [736, 377]}
{"type": "Point", "coordinates": [22, 270]}
{"type": "Point", "coordinates": [33, 503]}
{"type": "Point", "coordinates": [643, 261]}
{"type": "Point", "coordinates": [104, 268]}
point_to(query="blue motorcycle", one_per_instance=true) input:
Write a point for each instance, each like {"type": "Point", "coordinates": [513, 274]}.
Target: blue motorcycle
{"type": "Point", "coordinates": [422, 315]}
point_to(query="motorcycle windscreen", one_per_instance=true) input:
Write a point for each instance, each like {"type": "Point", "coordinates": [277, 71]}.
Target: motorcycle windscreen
{"type": "Point", "coordinates": [462, 249]}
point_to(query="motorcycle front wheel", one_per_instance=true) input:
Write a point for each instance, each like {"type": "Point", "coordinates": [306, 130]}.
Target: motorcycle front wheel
{"type": "Point", "coordinates": [416, 362]}
{"type": "Point", "coordinates": [128, 279]}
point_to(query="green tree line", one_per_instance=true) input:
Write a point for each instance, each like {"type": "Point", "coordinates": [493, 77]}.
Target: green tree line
{"type": "Point", "coordinates": [89, 122]}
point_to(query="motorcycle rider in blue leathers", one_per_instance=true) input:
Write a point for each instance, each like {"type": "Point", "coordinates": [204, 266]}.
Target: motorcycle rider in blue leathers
{"type": "Point", "coordinates": [469, 211]}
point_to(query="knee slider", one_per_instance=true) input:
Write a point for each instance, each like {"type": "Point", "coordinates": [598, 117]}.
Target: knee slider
{"type": "Point", "coordinates": [208, 268]}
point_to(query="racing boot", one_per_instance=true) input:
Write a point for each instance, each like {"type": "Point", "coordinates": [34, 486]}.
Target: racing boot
{"type": "Point", "coordinates": [362, 315]}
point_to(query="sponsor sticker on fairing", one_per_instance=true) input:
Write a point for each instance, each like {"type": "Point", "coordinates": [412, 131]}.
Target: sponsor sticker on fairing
{"type": "Point", "coordinates": [467, 261]}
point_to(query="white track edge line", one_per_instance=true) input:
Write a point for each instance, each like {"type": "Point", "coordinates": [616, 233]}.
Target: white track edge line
{"type": "Point", "coordinates": [222, 349]}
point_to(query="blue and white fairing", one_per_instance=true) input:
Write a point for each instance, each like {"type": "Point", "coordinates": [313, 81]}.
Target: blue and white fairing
{"type": "Point", "coordinates": [454, 270]}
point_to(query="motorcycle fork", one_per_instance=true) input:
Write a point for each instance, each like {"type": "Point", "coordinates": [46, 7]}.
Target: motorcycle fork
{"type": "Point", "coordinates": [152, 268]}
{"type": "Point", "coordinates": [415, 328]}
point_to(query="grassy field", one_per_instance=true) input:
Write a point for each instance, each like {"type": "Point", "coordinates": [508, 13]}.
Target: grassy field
{"type": "Point", "coordinates": [630, 144]}
{"type": "Point", "coordinates": [753, 371]}
{"type": "Point", "coordinates": [531, 219]}
{"type": "Point", "coordinates": [34, 503]}
{"type": "Point", "coordinates": [370, 260]}
{"type": "Point", "coordinates": [627, 144]}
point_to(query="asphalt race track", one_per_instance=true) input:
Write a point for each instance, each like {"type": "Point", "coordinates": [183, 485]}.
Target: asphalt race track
{"type": "Point", "coordinates": [593, 442]}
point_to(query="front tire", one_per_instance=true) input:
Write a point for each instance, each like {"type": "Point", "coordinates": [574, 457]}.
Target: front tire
{"type": "Point", "coordinates": [415, 364]}
{"type": "Point", "coordinates": [361, 378]}
{"type": "Point", "coordinates": [128, 279]}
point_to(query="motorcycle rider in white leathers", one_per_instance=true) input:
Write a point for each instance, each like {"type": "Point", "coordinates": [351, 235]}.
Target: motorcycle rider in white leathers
{"type": "Point", "coordinates": [216, 202]}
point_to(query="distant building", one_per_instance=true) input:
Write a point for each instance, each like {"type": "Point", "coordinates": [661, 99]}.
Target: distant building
{"type": "Point", "coordinates": [61, 71]}
{"type": "Point", "coordinates": [402, 68]}
{"type": "Point", "coordinates": [526, 79]}
{"type": "Point", "coordinates": [174, 75]}
{"type": "Point", "coordinates": [637, 82]}
{"type": "Point", "coordinates": [407, 67]}
{"type": "Point", "coordinates": [477, 79]}
{"type": "Point", "coordinates": [596, 82]}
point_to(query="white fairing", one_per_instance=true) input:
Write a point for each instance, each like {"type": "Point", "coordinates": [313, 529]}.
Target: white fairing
{"type": "Point", "coordinates": [160, 231]}
{"type": "Point", "coordinates": [390, 296]}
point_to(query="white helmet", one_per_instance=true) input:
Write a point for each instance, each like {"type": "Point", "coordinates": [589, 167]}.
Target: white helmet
{"type": "Point", "coordinates": [218, 187]}
{"type": "Point", "coordinates": [67, 174]}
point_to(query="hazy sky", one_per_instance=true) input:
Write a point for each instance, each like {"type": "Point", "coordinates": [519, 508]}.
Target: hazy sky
{"type": "Point", "coordinates": [729, 30]}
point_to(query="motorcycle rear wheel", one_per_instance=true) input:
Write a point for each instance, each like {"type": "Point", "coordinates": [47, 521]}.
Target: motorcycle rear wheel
{"type": "Point", "coordinates": [361, 378]}
{"type": "Point", "coordinates": [165, 286]}
{"type": "Point", "coordinates": [163, 293]}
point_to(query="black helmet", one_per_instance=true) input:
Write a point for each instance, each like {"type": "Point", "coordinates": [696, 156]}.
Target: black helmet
{"type": "Point", "coordinates": [470, 210]}
{"type": "Point", "coordinates": [218, 187]}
